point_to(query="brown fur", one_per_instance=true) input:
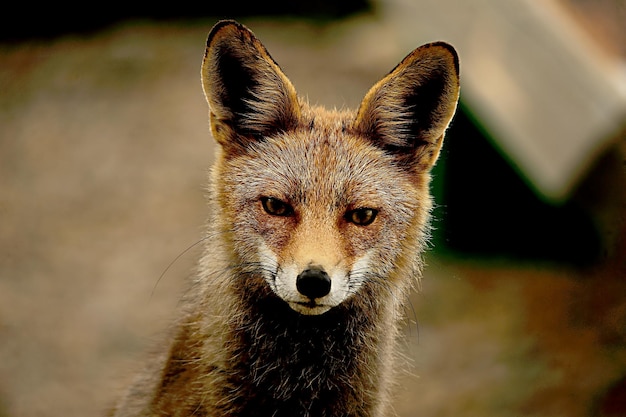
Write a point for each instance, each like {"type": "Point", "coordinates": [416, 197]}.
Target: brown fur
{"type": "Point", "coordinates": [249, 344]}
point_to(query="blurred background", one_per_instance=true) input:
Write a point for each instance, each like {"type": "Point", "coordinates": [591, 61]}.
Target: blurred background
{"type": "Point", "coordinates": [104, 151]}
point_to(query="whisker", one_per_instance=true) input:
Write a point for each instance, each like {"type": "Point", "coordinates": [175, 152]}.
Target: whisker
{"type": "Point", "coordinates": [415, 320]}
{"type": "Point", "coordinates": [180, 255]}
{"type": "Point", "coordinates": [380, 281]}
{"type": "Point", "coordinates": [173, 262]}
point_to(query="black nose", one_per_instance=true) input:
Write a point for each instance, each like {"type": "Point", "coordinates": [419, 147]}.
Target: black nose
{"type": "Point", "coordinates": [313, 282]}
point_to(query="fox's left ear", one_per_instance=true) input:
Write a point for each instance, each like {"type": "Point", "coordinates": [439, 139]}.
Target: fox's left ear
{"type": "Point", "coordinates": [407, 112]}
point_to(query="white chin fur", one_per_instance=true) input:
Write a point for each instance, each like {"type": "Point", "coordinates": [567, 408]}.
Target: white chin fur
{"type": "Point", "coordinates": [307, 310]}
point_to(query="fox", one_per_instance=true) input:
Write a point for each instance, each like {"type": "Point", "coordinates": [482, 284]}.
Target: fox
{"type": "Point", "coordinates": [318, 221]}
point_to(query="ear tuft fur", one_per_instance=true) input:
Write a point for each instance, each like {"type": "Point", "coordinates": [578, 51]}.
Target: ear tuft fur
{"type": "Point", "coordinates": [248, 94]}
{"type": "Point", "coordinates": [408, 111]}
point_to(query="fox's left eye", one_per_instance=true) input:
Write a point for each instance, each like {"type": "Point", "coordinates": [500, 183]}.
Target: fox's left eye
{"type": "Point", "coordinates": [276, 207]}
{"type": "Point", "coordinates": [361, 216]}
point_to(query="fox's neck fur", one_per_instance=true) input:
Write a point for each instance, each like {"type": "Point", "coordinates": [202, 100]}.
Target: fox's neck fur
{"type": "Point", "coordinates": [275, 361]}
{"type": "Point", "coordinates": [278, 362]}
{"type": "Point", "coordinates": [319, 220]}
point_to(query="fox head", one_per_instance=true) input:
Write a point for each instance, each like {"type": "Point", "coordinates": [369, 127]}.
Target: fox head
{"type": "Point", "coordinates": [322, 204]}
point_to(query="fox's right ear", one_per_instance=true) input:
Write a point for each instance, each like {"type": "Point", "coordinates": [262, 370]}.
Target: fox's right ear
{"type": "Point", "coordinates": [249, 96]}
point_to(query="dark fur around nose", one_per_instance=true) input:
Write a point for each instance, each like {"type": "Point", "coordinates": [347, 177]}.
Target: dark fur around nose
{"type": "Point", "coordinates": [313, 282]}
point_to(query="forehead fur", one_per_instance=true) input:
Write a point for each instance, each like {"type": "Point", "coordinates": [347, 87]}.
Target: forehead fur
{"type": "Point", "coordinates": [321, 162]}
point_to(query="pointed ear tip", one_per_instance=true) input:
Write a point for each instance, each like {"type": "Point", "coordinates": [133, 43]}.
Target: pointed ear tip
{"type": "Point", "coordinates": [443, 49]}
{"type": "Point", "coordinates": [222, 27]}
{"type": "Point", "coordinates": [442, 44]}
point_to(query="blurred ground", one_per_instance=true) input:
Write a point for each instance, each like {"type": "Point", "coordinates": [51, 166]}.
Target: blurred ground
{"type": "Point", "coordinates": [104, 148]}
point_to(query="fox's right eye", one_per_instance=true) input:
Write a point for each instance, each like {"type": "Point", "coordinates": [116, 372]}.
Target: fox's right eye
{"type": "Point", "coordinates": [276, 207]}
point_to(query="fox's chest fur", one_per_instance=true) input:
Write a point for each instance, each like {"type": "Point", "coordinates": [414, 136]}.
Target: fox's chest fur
{"type": "Point", "coordinates": [294, 365]}
{"type": "Point", "coordinates": [274, 361]}
{"type": "Point", "coordinates": [318, 222]}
